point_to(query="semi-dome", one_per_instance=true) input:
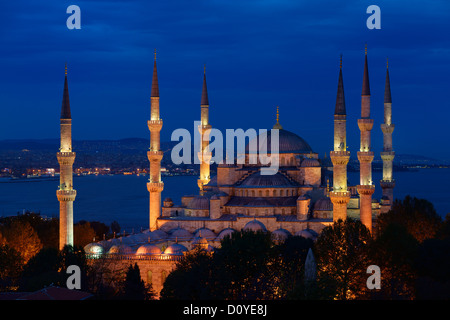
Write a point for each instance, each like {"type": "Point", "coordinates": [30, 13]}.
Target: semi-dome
{"type": "Point", "coordinates": [199, 202]}
{"type": "Point", "coordinates": [323, 204]}
{"type": "Point", "coordinates": [148, 249]}
{"type": "Point", "coordinates": [175, 249]}
{"type": "Point", "coordinates": [257, 179]}
{"type": "Point", "coordinates": [255, 226]}
{"type": "Point", "coordinates": [289, 142]}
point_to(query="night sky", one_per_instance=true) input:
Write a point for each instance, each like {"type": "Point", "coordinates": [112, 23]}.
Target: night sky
{"type": "Point", "coordinates": [258, 54]}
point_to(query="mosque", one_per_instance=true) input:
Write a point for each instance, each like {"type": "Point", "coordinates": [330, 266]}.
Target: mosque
{"type": "Point", "coordinates": [296, 200]}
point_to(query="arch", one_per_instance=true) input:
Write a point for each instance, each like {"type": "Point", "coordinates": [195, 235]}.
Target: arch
{"type": "Point", "coordinates": [149, 277]}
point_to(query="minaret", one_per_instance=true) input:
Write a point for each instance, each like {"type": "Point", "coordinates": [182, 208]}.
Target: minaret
{"type": "Point", "coordinates": [204, 128]}
{"type": "Point", "coordinates": [155, 186]}
{"type": "Point", "coordinates": [387, 155]}
{"type": "Point", "coordinates": [65, 193]}
{"type": "Point", "coordinates": [340, 196]}
{"type": "Point", "coordinates": [365, 156]}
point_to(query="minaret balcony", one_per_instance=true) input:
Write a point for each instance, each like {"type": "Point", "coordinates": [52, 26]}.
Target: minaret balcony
{"type": "Point", "coordinates": [155, 155]}
{"type": "Point", "coordinates": [365, 156]}
{"type": "Point", "coordinates": [66, 158]}
{"type": "Point", "coordinates": [387, 184]}
{"type": "Point", "coordinates": [387, 155]}
{"type": "Point", "coordinates": [155, 186]}
{"type": "Point", "coordinates": [155, 125]}
{"type": "Point", "coordinates": [365, 124]}
{"type": "Point", "coordinates": [66, 195]}
{"type": "Point", "coordinates": [387, 128]}
{"type": "Point", "coordinates": [367, 190]}
{"type": "Point", "coordinates": [340, 197]}
{"type": "Point", "coordinates": [340, 157]}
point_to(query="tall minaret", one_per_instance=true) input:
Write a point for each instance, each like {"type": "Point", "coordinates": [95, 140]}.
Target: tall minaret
{"type": "Point", "coordinates": [65, 193]}
{"type": "Point", "coordinates": [365, 156]}
{"type": "Point", "coordinates": [204, 155]}
{"type": "Point", "coordinates": [387, 155]}
{"type": "Point", "coordinates": [340, 196]}
{"type": "Point", "coordinates": [155, 186]}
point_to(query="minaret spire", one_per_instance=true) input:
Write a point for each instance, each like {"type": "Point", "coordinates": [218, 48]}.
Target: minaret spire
{"type": "Point", "coordinates": [365, 155]}
{"type": "Point", "coordinates": [388, 154]}
{"type": "Point", "coordinates": [204, 128]}
{"type": "Point", "coordinates": [65, 193]}
{"type": "Point", "coordinates": [277, 125]}
{"type": "Point", "coordinates": [155, 186]}
{"type": "Point", "coordinates": [340, 156]}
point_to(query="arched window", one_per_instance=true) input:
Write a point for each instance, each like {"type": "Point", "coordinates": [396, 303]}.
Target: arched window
{"type": "Point", "coordinates": [267, 193]}
{"type": "Point", "coordinates": [149, 277]}
{"type": "Point", "coordinates": [281, 193]}
{"type": "Point", "coordinates": [260, 193]}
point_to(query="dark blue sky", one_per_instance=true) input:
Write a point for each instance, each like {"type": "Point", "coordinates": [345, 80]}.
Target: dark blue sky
{"type": "Point", "coordinates": [258, 54]}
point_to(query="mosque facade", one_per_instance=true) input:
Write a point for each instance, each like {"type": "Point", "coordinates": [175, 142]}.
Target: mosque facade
{"type": "Point", "coordinates": [296, 200]}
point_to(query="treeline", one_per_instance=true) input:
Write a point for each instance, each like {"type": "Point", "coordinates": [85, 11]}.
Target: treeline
{"type": "Point", "coordinates": [30, 259]}
{"type": "Point", "coordinates": [410, 245]}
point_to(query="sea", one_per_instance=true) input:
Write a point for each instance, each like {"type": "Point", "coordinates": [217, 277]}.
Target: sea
{"type": "Point", "coordinates": [125, 199]}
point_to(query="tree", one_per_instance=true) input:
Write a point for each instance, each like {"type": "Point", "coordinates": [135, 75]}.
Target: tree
{"type": "Point", "coordinates": [418, 216]}
{"type": "Point", "coordinates": [83, 233]}
{"type": "Point", "coordinates": [191, 278]}
{"type": "Point", "coordinates": [21, 236]}
{"type": "Point", "coordinates": [11, 264]}
{"type": "Point", "coordinates": [395, 252]}
{"type": "Point", "coordinates": [134, 287]}
{"type": "Point", "coordinates": [115, 227]}
{"type": "Point", "coordinates": [341, 253]}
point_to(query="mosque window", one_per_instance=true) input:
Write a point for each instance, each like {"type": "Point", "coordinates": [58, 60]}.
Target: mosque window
{"type": "Point", "coordinates": [149, 277]}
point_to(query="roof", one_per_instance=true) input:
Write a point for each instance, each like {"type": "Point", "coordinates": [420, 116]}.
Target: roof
{"type": "Point", "coordinates": [155, 87]}
{"type": "Point", "coordinates": [205, 101]}
{"type": "Point", "coordinates": [262, 202]}
{"type": "Point", "coordinates": [65, 107]}
{"type": "Point", "coordinates": [277, 180]}
{"type": "Point", "coordinates": [387, 89]}
{"type": "Point", "coordinates": [52, 293]}
{"type": "Point", "coordinates": [289, 142]}
{"type": "Point", "coordinates": [366, 86]}
{"type": "Point", "coordinates": [340, 98]}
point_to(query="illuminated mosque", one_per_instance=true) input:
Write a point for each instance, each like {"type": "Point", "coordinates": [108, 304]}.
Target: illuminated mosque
{"type": "Point", "coordinates": [296, 200]}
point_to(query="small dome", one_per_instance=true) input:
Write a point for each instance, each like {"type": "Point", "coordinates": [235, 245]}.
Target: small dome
{"type": "Point", "coordinates": [120, 249]}
{"type": "Point", "coordinates": [205, 233]}
{"type": "Point", "coordinates": [168, 203]}
{"type": "Point", "coordinates": [310, 162]}
{"type": "Point", "coordinates": [307, 233]}
{"type": "Point", "coordinates": [147, 249]}
{"type": "Point", "coordinates": [280, 234]}
{"type": "Point", "coordinates": [199, 203]}
{"type": "Point", "coordinates": [158, 234]}
{"type": "Point", "coordinates": [175, 249]}
{"type": "Point", "coordinates": [94, 248]}
{"type": "Point", "coordinates": [323, 204]}
{"type": "Point", "coordinates": [180, 234]}
{"type": "Point", "coordinates": [224, 233]}
{"type": "Point", "coordinates": [255, 225]}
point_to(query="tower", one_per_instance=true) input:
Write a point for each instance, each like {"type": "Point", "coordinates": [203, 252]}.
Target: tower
{"type": "Point", "coordinates": [365, 156]}
{"type": "Point", "coordinates": [204, 128]}
{"type": "Point", "coordinates": [387, 155]}
{"type": "Point", "coordinates": [155, 186]}
{"type": "Point", "coordinates": [340, 196]}
{"type": "Point", "coordinates": [65, 193]}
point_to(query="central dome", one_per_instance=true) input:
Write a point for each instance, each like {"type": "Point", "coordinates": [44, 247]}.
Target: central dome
{"type": "Point", "coordinates": [289, 142]}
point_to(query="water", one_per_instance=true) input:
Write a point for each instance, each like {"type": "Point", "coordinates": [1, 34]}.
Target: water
{"type": "Point", "coordinates": [125, 199]}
